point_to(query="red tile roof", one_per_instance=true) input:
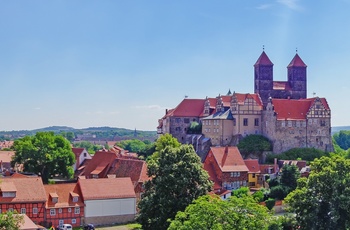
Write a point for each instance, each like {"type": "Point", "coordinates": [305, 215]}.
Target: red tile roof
{"type": "Point", "coordinates": [231, 161]}
{"type": "Point", "coordinates": [101, 160]}
{"type": "Point", "coordinates": [29, 189]}
{"type": "Point", "coordinates": [107, 188]}
{"type": "Point", "coordinates": [212, 175]}
{"type": "Point", "coordinates": [135, 169]}
{"type": "Point", "coordinates": [188, 108]}
{"type": "Point", "coordinates": [287, 109]}
{"type": "Point", "coordinates": [252, 165]}
{"type": "Point", "coordinates": [281, 85]}
{"type": "Point", "coordinates": [296, 61]}
{"type": "Point", "coordinates": [63, 192]}
{"type": "Point", "coordinates": [77, 152]}
{"type": "Point", "coordinates": [263, 60]}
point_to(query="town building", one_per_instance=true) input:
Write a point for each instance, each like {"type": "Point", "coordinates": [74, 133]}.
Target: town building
{"type": "Point", "coordinates": [278, 110]}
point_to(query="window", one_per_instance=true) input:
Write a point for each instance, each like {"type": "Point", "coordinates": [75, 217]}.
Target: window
{"type": "Point", "coordinates": [23, 211]}
{"type": "Point", "coordinates": [60, 222]}
{"type": "Point", "coordinates": [234, 121]}
{"type": "Point", "coordinates": [84, 154]}
{"type": "Point", "coordinates": [10, 210]}
{"type": "Point", "coordinates": [256, 121]}
{"type": "Point", "coordinates": [75, 199]}
{"type": "Point", "coordinates": [54, 199]}
{"type": "Point", "coordinates": [60, 210]}
{"type": "Point", "coordinates": [283, 124]}
{"type": "Point", "coordinates": [289, 123]}
{"type": "Point", "coordinates": [52, 212]}
{"type": "Point", "coordinates": [35, 210]}
{"type": "Point", "coordinates": [76, 210]}
{"type": "Point", "coordinates": [232, 174]}
{"type": "Point", "coordinates": [186, 120]}
{"type": "Point", "coordinates": [69, 210]}
{"type": "Point", "coordinates": [178, 120]}
{"type": "Point", "coordinates": [253, 176]}
{"type": "Point", "coordinates": [74, 221]}
{"type": "Point", "coordinates": [245, 121]}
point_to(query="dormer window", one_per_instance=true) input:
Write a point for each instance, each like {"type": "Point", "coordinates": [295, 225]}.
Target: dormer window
{"type": "Point", "coordinates": [8, 189]}
{"type": "Point", "coordinates": [75, 196]}
{"type": "Point", "coordinates": [54, 197]}
{"type": "Point", "coordinates": [75, 199]}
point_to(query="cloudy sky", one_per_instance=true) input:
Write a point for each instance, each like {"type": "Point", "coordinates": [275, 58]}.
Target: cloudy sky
{"type": "Point", "coordinates": [122, 63]}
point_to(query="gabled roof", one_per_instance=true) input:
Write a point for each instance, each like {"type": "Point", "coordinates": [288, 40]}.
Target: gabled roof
{"type": "Point", "coordinates": [212, 175]}
{"type": "Point", "coordinates": [263, 60]}
{"type": "Point", "coordinates": [241, 97]}
{"type": "Point", "coordinates": [252, 165]}
{"type": "Point", "coordinates": [63, 192]}
{"type": "Point", "coordinates": [135, 169]}
{"type": "Point", "coordinates": [297, 62]}
{"type": "Point", "coordinates": [287, 109]}
{"type": "Point", "coordinates": [77, 151]}
{"type": "Point", "coordinates": [107, 188]}
{"type": "Point", "coordinates": [100, 161]}
{"type": "Point", "coordinates": [29, 189]}
{"type": "Point", "coordinates": [188, 108]}
{"type": "Point", "coordinates": [229, 159]}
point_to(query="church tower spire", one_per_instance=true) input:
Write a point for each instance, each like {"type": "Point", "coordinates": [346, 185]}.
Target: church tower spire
{"type": "Point", "coordinates": [263, 77]}
{"type": "Point", "coordinates": [297, 77]}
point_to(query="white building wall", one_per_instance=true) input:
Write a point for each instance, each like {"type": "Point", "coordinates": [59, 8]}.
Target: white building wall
{"type": "Point", "coordinates": [110, 207]}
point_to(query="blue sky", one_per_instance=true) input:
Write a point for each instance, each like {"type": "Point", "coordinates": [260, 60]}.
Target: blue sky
{"type": "Point", "coordinates": [122, 63]}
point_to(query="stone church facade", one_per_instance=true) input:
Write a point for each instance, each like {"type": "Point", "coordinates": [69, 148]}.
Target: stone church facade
{"type": "Point", "coordinates": [278, 110]}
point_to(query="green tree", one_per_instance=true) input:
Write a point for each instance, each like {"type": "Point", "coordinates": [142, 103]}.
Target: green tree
{"type": "Point", "coordinates": [134, 145]}
{"type": "Point", "coordinates": [342, 138]}
{"type": "Point", "coordinates": [45, 154]}
{"type": "Point", "coordinates": [254, 144]}
{"type": "Point", "coordinates": [10, 220]}
{"type": "Point", "coordinates": [289, 176]}
{"type": "Point", "coordinates": [210, 212]}
{"type": "Point", "coordinates": [91, 148]}
{"type": "Point", "coordinates": [307, 154]}
{"type": "Point", "coordinates": [177, 179]}
{"type": "Point", "coordinates": [322, 201]}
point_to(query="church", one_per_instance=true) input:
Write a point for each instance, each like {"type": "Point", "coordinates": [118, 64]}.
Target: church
{"type": "Point", "coordinates": [278, 110]}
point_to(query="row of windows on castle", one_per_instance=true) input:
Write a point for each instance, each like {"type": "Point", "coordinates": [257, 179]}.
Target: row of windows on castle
{"type": "Point", "coordinates": [245, 122]}
{"type": "Point", "coordinates": [294, 123]}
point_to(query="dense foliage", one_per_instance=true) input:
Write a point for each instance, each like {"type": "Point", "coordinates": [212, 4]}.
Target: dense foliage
{"type": "Point", "coordinates": [342, 138]}
{"type": "Point", "coordinates": [177, 179]}
{"type": "Point", "coordinates": [322, 201]}
{"type": "Point", "coordinates": [10, 220]}
{"type": "Point", "coordinates": [195, 128]}
{"type": "Point", "coordinates": [307, 154]}
{"type": "Point", "coordinates": [210, 212]}
{"type": "Point", "coordinates": [254, 144]}
{"type": "Point", "coordinates": [285, 183]}
{"type": "Point", "coordinates": [142, 148]}
{"type": "Point", "coordinates": [91, 148]}
{"type": "Point", "coordinates": [45, 154]}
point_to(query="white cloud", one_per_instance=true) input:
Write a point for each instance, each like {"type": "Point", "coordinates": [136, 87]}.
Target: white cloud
{"type": "Point", "coordinates": [264, 6]}
{"type": "Point", "coordinates": [291, 4]}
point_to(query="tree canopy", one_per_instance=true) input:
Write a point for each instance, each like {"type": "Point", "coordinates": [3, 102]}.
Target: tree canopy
{"type": "Point", "coordinates": [254, 144]}
{"type": "Point", "coordinates": [322, 201]}
{"type": "Point", "coordinates": [10, 220]}
{"type": "Point", "coordinates": [45, 154]}
{"type": "Point", "coordinates": [210, 212]}
{"type": "Point", "coordinates": [342, 138]}
{"type": "Point", "coordinates": [142, 148]}
{"type": "Point", "coordinates": [177, 179]}
{"type": "Point", "coordinates": [91, 148]}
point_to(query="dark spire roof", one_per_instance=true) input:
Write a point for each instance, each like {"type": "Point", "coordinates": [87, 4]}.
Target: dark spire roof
{"type": "Point", "coordinates": [296, 61]}
{"type": "Point", "coordinates": [229, 92]}
{"type": "Point", "coordinates": [263, 60]}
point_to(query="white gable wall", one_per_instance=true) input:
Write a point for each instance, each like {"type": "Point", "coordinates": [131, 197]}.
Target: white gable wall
{"type": "Point", "coordinates": [110, 207]}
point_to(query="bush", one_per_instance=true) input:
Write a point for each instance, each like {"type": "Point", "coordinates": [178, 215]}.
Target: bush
{"type": "Point", "coordinates": [279, 192]}
{"type": "Point", "coordinates": [274, 182]}
{"type": "Point", "coordinates": [270, 203]}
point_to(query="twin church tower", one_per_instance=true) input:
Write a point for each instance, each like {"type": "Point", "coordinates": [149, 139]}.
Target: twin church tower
{"type": "Point", "coordinates": [266, 87]}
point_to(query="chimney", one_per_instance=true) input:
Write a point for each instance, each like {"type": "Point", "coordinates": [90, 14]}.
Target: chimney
{"type": "Point", "coordinates": [224, 156]}
{"type": "Point", "coordinates": [275, 164]}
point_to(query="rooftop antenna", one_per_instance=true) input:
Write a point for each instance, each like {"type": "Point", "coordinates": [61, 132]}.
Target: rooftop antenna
{"type": "Point", "coordinates": [263, 47]}
{"type": "Point", "coordinates": [296, 50]}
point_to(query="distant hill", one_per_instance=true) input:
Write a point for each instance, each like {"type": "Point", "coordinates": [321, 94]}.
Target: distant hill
{"type": "Point", "coordinates": [89, 134]}
{"type": "Point", "coordinates": [338, 128]}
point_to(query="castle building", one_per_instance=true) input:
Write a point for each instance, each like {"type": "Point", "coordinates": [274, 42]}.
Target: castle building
{"type": "Point", "coordinates": [279, 110]}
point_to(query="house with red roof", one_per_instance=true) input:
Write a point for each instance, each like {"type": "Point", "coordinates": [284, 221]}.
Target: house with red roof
{"type": "Point", "coordinates": [114, 165]}
{"type": "Point", "coordinates": [81, 155]}
{"type": "Point", "coordinates": [5, 161]}
{"type": "Point", "coordinates": [64, 205]}
{"type": "Point", "coordinates": [25, 195]}
{"type": "Point", "coordinates": [108, 200]}
{"type": "Point", "coordinates": [226, 168]}
{"type": "Point", "coordinates": [255, 179]}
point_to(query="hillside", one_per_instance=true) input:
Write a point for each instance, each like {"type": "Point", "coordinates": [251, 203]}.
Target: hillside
{"type": "Point", "coordinates": [90, 134]}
